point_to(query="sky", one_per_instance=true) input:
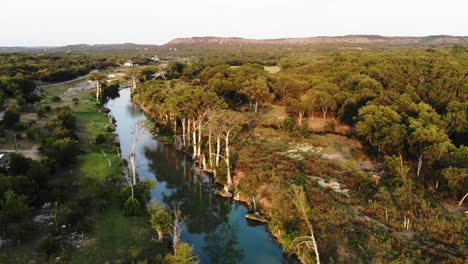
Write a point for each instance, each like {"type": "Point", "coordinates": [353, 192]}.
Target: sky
{"type": "Point", "coordinates": [63, 22]}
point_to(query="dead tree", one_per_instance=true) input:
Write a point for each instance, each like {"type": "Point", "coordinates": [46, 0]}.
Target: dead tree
{"type": "Point", "coordinates": [304, 242]}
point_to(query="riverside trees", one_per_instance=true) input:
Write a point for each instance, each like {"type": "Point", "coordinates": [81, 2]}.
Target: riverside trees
{"type": "Point", "coordinates": [198, 117]}
{"type": "Point", "coordinates": [410, 110]}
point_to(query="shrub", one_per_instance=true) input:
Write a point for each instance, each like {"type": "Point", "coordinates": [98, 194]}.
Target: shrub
{"type": "Point", "coordinates": [330, 126]}
{"type": "Point", "coordinates": [132, 207]}
{"type": "Point", "coordinates": [76, 101]}
{"type": "Point", "coordinates": [56, 99]}
{"type": "Point", "coordinates": [47, 108]}
{"type": "Point", "coordinates": [100, 139]}
{"type": "Point", "coordinates": [41, 112]}
{"type": "Point", "coordinates": [288, 124]}
{"type": "Point", "coordinates": [48, 246]}
{"type": "Point", "coordinates": [34, 133]}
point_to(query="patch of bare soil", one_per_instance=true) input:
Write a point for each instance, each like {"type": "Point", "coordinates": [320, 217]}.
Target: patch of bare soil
{"type": "Point", "coordinates": [32, 153]}
{"type": "Point", "coordinates": [334, 185]}
{"type": "Point", "coordinates": [297, 150]}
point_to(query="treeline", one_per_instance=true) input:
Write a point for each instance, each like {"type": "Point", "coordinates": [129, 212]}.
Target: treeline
{"type": "Point", "coordinates": [408, 106]}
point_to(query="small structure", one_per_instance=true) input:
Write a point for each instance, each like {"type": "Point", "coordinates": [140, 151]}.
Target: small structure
{"type": "Point", "coordinates": [3, 162]}
{"type": "Point", "coordinates": [155, 58]}
{"type": "Point", "coordinates": [128, 63]}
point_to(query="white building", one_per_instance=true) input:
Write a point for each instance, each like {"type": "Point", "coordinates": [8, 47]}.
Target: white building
{"type": "Point", "coordinates": [128, 63]}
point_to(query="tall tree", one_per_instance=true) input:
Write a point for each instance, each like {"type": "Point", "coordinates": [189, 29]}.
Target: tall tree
{"type": "Point", "coordinates": [99, 78]}
{"type": "Point", "coordinates": [134, 73]}
{"type": "Point", "coordinates": [381, 127]}
{"type": "Point", "coordinates": [257, 92]}
{"type": "Point", "coordinates": [227, 122]}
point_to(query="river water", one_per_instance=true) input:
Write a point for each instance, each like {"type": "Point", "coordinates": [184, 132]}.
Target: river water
{"type": "Point", "coordinates": [216, 227]}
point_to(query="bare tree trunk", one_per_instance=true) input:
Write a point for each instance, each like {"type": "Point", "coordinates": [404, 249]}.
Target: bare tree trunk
{"type": "Point", "coordinates": [420, 163]}
{"type": "Point", "coordinates": [199, 136]}
{"type": "Point", "coordinates": [218, 149]}
{"type": "Point", "coordinates": [98, 91]}
{"type": "Point", "coordinates": [463, 199]}
{"type": "Point", "coordinates": [133, 83]}
{"type": "Point", "coordinates": [256, 106]}
{"type": "Point", "coordinates": [301, 115]}
{"type": "Point", "coordinates": [183, 131]}
{"type": "Point", "coordinates": [160, 234]}
{"type": "Point", "coordinates": [175, 125]}
{"type": "Point", "coordinates": [210, 151]}
{"type": "Point", "coordinates": [194, 131]}
{"type": "Point", "coordinates": [188, 130]}
{"type": "Point", "coordinates": [229, 179]}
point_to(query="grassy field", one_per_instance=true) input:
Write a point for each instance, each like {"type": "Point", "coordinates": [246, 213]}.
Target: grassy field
{"type": "Point", "coordinates": [114, 235]}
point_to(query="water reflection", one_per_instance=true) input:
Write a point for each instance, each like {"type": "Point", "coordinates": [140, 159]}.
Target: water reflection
{"type": "Point", "coordinates": [214, 226]}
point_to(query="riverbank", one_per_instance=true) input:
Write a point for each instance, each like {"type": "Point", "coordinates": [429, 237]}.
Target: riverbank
{"type": "Point", "coordinates": [240, 200]}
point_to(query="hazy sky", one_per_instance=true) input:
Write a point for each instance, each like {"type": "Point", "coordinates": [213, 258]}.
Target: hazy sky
{"type": "Point", "coordinates": [61, 22]}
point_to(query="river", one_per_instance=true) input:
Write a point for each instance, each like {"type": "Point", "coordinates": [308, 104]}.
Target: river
{"type": "Point", "coordinates": [216, 227]}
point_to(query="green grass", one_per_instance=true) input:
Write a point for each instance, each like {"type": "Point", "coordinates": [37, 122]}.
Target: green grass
{"type": "Point", "coordinates": [115, 235]}
{"type": "Point", "coordinates": [96, 166]}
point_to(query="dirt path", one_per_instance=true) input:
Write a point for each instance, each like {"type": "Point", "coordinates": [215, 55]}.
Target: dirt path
{"type": "Point", "coordinates": [32, 153]}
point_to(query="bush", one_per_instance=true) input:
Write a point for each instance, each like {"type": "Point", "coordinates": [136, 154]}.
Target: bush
{"type": "Point", "coordinates": [34, 133]}
{"type": "Point", "coordinates": [56, 99]}
{"type": "Point", "coordinates": [12, 115]}
{"type": "Point", "coordinates": [76, 101]}
{"type": "Point", "coordinates": [48, 246]}
{"type": "Point", "coordinates": [100, 139]}
{"type": "Point", "coordinates": [288, 124]}
{"type": "Point", "coordinates": [330, 126]}
{"type": "Point", "coordinates": [47, 108]}
{"type": "Point", "coordinates": [132, 207]}
{"type": "Point", "coordinates": [41, 112]}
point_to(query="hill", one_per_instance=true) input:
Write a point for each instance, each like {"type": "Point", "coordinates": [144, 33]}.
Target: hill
{"type": "Point", "coordinates": [351, 39]}
{"type": "Point", "coordinates": [85, 48]}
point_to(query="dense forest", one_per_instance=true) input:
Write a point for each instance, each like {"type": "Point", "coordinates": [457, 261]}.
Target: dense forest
{"type": "Point", "coordinates": [406, 106]}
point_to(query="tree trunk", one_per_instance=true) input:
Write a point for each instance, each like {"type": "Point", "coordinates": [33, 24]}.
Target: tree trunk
{"type": "Point", "coordinates": [229, 179]}
{"type": "Point", "coordinates": [301, 115]}
{"type": "Point", "coordinates": [183, 132]}
{"type": "Point", "coordinates": [175, 125]}
{"type": "Point", "coordinates": [463, 199]}
{"type": "Point", "coordinates": [218, 149]}
{"type": "Point", "coordinates": [199, 137]}
{"type": "Point", "coordinates": [210, 151]}
{"type": "Point", "coordinates": [256, 106]}
{"type": "Point", "coordinates": [194, 137]}
{"type": "Point", "coordinates": [133, 83]}
{"type": "Point", "coordinates": [188, 131]}
{"type": "Point", "coordinates": [160, 234]}
{"type": "Point", "coordinates": [98, 91]}
{"type": "Point", "coordinates": [420, 163]}
{"type": "Point", "coordinates": [132, 161]}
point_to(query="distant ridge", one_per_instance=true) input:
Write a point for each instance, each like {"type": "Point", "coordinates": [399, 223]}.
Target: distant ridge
{"type": "Point", "coordinates": [350, 39]}
{"type": "Point", "coordinates": [211, 41]}
{"type": "Point", "coordinates": [86, 48]}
